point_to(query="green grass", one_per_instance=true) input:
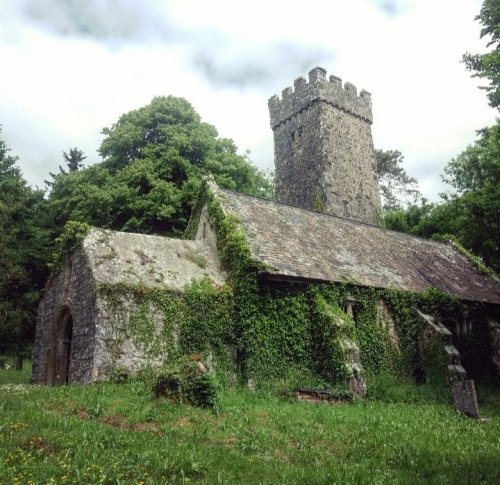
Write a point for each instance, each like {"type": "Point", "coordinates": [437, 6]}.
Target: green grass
{"type": "Point", "coordinates": [111, 433]}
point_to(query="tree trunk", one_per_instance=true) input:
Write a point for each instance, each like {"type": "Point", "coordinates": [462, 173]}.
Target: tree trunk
{"type": "Point", "coordinates": [18, 362]}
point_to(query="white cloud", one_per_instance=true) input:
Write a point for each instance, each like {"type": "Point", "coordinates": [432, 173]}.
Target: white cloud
{"type": "Point", "coordinates": [70, 68]}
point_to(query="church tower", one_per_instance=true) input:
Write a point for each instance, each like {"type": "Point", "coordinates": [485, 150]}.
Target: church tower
{"type": "Point", "coordinates": [323, 148]}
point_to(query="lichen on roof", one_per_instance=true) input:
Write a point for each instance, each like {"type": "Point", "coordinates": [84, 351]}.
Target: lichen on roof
{"type": "Point", "coordinates": [297, 243]}
{"type": "Point", "coordinates": [150, 261]}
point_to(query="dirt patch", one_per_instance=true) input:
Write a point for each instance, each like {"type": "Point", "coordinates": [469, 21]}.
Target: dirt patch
{"type": "Point", "coordinates": [119, 422]}
{"type": "Point", "coordinates": [115, 421]}
{"type": "Point", "coordinates": [40, 444]}
{"type": "Point", "coordinates": [82, 413]}
{"type": "Point", "coordinates": [230, 441]}
{"type": "Point", "coordinates": [141, 427]}
{"type": "Point", "coordinates": [182, 422]}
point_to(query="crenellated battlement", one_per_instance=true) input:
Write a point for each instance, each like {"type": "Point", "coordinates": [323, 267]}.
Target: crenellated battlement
{"type": "Point", "coordinates": [319, 89]}
{"type": "Point", "coordinates": [323, 147]}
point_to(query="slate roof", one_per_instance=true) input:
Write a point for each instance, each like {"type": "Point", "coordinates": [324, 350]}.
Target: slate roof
{"type": "Point", "coordinates": [297, 243]}
{"type": "Point", "coordinates": [151, 261]}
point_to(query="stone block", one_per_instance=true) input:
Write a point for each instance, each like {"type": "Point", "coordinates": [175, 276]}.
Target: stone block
{"type": "Point", "coordinates": [465, 398]}
{"type": "Point", "coordinates": [357, 385]}
{"type": "Point", "coordinates": [456, 372]}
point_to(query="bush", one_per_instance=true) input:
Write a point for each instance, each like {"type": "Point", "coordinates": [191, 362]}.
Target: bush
{"type": "Point", "coordinates": [189, 382]}
{"type": "Point", "coordinates": [168, 385]}
{"type": "Point", "coordinates": [202, 390]}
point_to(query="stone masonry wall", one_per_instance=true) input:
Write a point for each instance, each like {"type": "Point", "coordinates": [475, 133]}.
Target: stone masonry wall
{"type": "Point", "coordinates": [324, 156]}
{"type": "Point", "coordinates": [71, 289]}
{"type": "Point", "coordinates": [129, 337]}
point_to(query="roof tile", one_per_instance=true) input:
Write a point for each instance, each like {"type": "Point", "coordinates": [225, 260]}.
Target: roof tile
{"type": "Point", "coordinates": [305, 244]}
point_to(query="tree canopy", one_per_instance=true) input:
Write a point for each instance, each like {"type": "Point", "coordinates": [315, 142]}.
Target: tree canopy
{"type": "Point", "coordinates": [396, 186]}
{"type": "Point", "coordinates": [24, 250]}
{"type": "Point", "coordinates": [153, 161]}
{"type": "Point", "coordinates": [471, 210]}
{"type": "Point", "coordinates": [475, 176]}
{"type": "Point", "coordinates": [487, 66]}
{"type": "Point", "coordinates": [74, 159]}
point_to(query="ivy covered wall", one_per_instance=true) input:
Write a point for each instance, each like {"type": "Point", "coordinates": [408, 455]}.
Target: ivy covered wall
{"type": "Point", "coordinates": [282, 328]}
{"type": "Point", "coordinates": [155, 327]}
{"type": "Point", "coordinates": [258, 329]}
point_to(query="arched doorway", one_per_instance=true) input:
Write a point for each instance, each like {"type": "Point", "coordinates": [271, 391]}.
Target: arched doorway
{"type": "Point", "coordinates": [59, 361]}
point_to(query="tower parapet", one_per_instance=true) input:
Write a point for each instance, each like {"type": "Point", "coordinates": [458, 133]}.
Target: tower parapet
{"type": "Point", "coordinates": [319, 88]}
{"type": "Point", "coordinates": [323, 147]}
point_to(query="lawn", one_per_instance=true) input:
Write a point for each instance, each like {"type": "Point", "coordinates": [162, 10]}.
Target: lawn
{"type": "Point", "coordinates": [117, 433]}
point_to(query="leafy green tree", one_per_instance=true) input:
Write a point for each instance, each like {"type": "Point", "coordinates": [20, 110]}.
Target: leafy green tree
{"type": "Point", "coordinates": [478, 165]}
{"type": "Point", "coordinates": [74, 162]}
{"type": "Point", "coordinates": [412, 219]}
{"type": "Point", "coordinates": [396, 186]}
{"type": "Point", "coordinates": [487, 66]}
{"type": "Point", "coordinates": [475, 176]}
{"type": "Point", "coordinates": [471, 212]}
{"type": "Point", "coordinates": [24, 251]}
{"type": "Point", "coordinates": [153, 161]}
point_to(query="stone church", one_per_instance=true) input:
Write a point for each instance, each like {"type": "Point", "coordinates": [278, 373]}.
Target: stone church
{"type": "Point", "coordinates": [306, 281]}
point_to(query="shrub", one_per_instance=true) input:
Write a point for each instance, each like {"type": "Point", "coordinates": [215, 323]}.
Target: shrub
{"type": "Point", "coordinates": [188, 382]}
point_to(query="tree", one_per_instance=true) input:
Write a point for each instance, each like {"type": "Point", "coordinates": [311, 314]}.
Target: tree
{"type": "Point", "coordinates": [74, 159]}
{"type": "Point", "coordinates": [24, 250]}
{"type": "Point", "coordinates": [412, 219]}
{"type": "Point", "coordinates": [471, 212]}
{"type": "Point", "coordinates": [487, 66]}
{"type": "Point", "coordinates": [478, 165]}
{"type": "Point", "coordinates": [153, 161]}
{"type": "Point", "coordinates": [74, 162]}
{"type": "Point", "coordinates": [475, 176]}
{"type": "Point", "coordinates": [396, 186]}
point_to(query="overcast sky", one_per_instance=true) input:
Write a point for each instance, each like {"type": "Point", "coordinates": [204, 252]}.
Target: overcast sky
{"type": "Point", "coordinates": [71, 67]}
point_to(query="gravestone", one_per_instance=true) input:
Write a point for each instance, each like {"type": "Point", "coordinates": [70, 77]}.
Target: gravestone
{"type": "Point", "coordinates": [465, 398]}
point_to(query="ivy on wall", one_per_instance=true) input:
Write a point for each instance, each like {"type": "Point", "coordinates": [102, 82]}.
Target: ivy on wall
{"type": "Point", "coordinates": [172, 323]}
{"type": "Point", "coordinates": [71, 239]}
{"type": "Point", "coordinates": [271, 330]}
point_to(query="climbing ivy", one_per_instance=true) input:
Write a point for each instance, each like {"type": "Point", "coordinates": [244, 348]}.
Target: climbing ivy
{"type": "Point", "coordinates": [260, 330]}
{"type": "Point", "coordinates": [282, 329]}
{"type": "Point", "coordinates": [171, 323]}
{"type": "Point", "coordinates": [333, 332]}
{"type": "Point", "coordinates": [475, 260]}
{"type": "Point", "coordinates": [71, 239]}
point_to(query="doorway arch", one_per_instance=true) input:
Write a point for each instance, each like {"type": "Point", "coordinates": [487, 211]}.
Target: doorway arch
{"type": "Point", "coordinates": [61, 354]}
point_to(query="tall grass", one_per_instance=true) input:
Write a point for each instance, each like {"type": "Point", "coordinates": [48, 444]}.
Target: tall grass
{"type": "Point", "coordinates": [111, 433]}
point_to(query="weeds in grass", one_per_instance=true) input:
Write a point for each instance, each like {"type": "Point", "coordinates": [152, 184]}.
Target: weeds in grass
{"type": "Point", "coordinates": [117, 433]}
